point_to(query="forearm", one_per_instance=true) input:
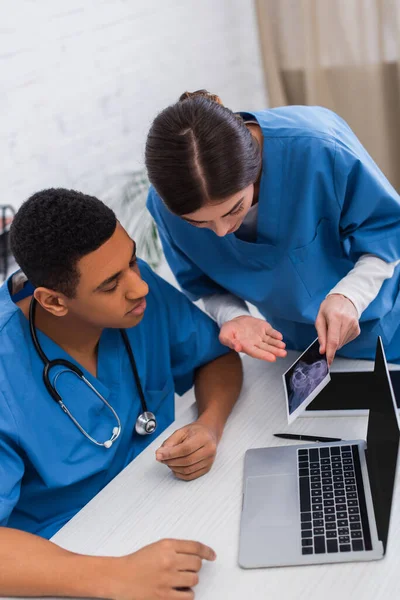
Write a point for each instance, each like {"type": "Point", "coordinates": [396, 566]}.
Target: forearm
{"type": "Point", "coordinates": [363, 283]}
{"type": "Point", "coordinates": [217, 387]}
{"type": "Point", "coordinates": [33, 566]}
{"type": "Point", "coordinates": [224, 307]}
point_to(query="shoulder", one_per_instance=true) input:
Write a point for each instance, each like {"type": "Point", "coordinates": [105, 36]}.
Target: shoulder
{"type": "Point", "coordinates": [300, 122]}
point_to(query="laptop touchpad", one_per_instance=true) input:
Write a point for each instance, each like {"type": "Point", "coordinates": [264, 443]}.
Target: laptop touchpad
{"type": "Point", "coordinates": [272, 500]}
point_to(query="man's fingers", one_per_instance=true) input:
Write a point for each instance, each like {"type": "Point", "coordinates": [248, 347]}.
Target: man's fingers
{"type": "Point", "coordinates": [185, 448]}
{"type": "Point", "coordinates": [196, 548]}
{"type": "Point", "coordinates": [193, 475]}
{"type": "Point", "coordinates": [186, 461]}
{"type": "Point", "coordinates": [189, 562]}
{"type": "Point", "coordinates": [266, 346]}
{"type": "Point", "coordinates": [274, 343]}
{"type": "Point", "coordinates": [255, 352]}
{"type": "Point", "coordinates": [176, 438]}
{"type": "Point", "coordinates": [190, 469]}
{"type": "Point", "coordinates": [333, 340]}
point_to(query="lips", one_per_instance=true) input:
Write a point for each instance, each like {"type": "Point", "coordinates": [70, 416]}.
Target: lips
{"type": "Point", "coordinates": [138, 308]}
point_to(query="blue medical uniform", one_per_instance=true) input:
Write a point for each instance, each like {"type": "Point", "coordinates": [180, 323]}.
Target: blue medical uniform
{"type": "Point", "coordinates": [48, 469]}
{"type": "Point", "coordinates": [323, 202]}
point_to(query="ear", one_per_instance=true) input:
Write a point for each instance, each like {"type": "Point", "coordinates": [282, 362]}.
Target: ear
{"type": "Point", "coordinates": [54, 302]}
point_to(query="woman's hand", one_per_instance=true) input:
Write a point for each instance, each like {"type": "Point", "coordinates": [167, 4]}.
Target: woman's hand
{"type": "Point", "coordinates": [336, 324]}
{"type": "Point", "coordinates": [253, 336]}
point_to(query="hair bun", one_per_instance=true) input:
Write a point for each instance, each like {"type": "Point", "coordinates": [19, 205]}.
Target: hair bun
{"type": "Point", "coordinates": [203, 94]}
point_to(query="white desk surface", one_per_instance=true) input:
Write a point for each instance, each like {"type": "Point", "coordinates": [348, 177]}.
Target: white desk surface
{"type": "Point", "coordinates": [145, 503]}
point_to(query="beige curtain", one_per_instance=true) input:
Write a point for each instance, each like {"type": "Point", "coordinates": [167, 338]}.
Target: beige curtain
{"type": "Point", "coordinates": [342, 54]}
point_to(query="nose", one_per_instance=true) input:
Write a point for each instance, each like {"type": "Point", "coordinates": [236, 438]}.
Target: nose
{"type": "Point", "coordinates": [138, 288]}
{"type": "Point", "coordinates": [221, 229]}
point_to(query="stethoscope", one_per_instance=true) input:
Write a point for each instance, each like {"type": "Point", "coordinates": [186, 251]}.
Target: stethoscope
{"type": "Point", "coordinates": [146, 422]}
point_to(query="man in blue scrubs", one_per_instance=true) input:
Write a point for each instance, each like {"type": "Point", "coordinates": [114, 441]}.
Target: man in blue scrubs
{"type": "Point", "coordinates": [81, 267]}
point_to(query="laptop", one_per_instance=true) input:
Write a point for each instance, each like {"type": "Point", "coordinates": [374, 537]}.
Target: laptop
{"type": "Point", "coordinates": [324, 503]}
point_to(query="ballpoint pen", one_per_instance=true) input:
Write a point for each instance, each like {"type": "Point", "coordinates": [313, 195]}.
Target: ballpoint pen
{"type": "Point", "coordinates": [306, 438]}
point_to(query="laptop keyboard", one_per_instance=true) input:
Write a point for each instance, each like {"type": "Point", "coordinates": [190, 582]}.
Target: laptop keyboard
{"type": "Point", "coordinates": [332, 501]}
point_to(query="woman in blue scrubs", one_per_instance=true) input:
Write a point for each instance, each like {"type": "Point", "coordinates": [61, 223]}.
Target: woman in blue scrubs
{"type": "Point", "coordinates": [283, 209]}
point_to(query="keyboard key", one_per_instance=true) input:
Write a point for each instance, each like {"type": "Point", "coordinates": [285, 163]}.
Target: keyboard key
{"type": "Point", "coordinates": [332, 546]}
{"type": "Point", "coordinates": [316, 486]}
{"type": "Point", "coordinates": [318, 514]}
{"type": "Point", "coordinates": [329, 526]}
{"type": "Point", "coordinates": [327, 495]}
{"type": "Point", "coordinates": [343, 523]}
{"type": "Point", "coordinates": [331, 534]}
{"type": "Point", "coordinates": [356, 534]}
{"type": "Point", "coordinates": [316, 507]}
{"type": "Point", "coordinates": [306, 525]}
{"type": "Point", "coordinates": [353, 510]}
{"type": "Point", "coordinates": [343, 531]}
{"type": "Point", "coordinates": [351, 488]}
{"type": "Point", "coordinates": [314, 465]}
{"type": "Point", "coordinates": [330, 518]}
{"type": "Point", "coordinates": [325, 461]}
{"type": "Point", "coordinates": [305, 500]}
{"type": "Point", "coordinates": [339, 493]}
{"type": "Point", "coordinates": [319, 544]}
{"type": "Point", "coordinates": [342, 515]}
{"type": "Point", "coordinates": [352, 503]}
{"type": "Point", "coordinates": [328, 510]}
{"type": "Point", "coordinates": [318, 523]}
{"type": "Point", "coordinates": [348, 475]}
{"type": "Point", "coordinates": [338, 485]}
{"type": "Point", "coordinates": [346, 454]}
{"type": "Point", "coordinates": [315, 479]}
{"type": "Point", "coordinates": [325, 469]}
{"type": "Point", "coordinates": [340, 507]}
{"type": "Point", "coordinates": [304, 472]}
{"type": "Point", "coordinates": [347, 461]}
{"type": "Point", "coordinates": [319, 531]}
{"type": "Point", "coordinates": [336, 459]}
{"type": "Point", "coordinates": [344, 539]}
{"type": "Point", "coordinates": [324, 452]}
{"type": "Point", "coordinates": [345, 548]}
{"type": "Point", "coordinates": [352, 495]}
{"type": "Point", "coordinates": [348, 468]}
{"type": "Point", "coordinates": [306, 533]}
{"type": "Point", "coordinates": [307, 542]}
{"type": "Point", "coordinates": [303, 452]}
{"type": "Point", "coordinates": [314, 471]}
{"type": "Point", "coordinates": [306, 550]}
{"type": "Point", "coordinates": [354, 518]}
{"type": "Point", "coordinates": [357, 545]}
{"type": "Point", "coordinates": [305, 516]}
{"type": "Point", "coordinates": [327, 488]}
{"type": "Point", "coordinates": [346, 448]}
{"type": "Point", "coordinates": [329, 502]}
{"type": "Point", "coordinates": [335, 450]}
{"type": "Point", "coordinates": [350, 481]}
{"type": "Point", "coordinates": [316, 493]}
{"type": "Point", "coordinates": [337, 471]}
{"type": "Point", "coordinates": [313, 452]}
{"type": "Point", "coordinates": [338, 478]}
{"type": "Point", "coordinates": [354, 526]}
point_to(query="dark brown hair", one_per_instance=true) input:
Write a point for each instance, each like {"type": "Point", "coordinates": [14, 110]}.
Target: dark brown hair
{"type": "Point", "coordinates": [200, 152]}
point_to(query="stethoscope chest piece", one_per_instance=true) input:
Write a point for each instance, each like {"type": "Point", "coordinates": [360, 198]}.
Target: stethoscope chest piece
{"type": "Point", "coordinates": [145, 423]}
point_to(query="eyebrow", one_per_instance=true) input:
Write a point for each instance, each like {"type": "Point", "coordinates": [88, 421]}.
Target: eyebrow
{"type": "Point", "coordinates": [116, 275]}
{"type": "Point", "coordinates": [225, 215]}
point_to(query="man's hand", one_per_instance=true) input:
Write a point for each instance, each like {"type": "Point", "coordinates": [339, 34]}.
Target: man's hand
{"type": "Point", "coordinates": [336, 324]}
{"type": "Point", "coordinates": [190, 451]}
{"type": "Point", "coordinates": [255, 337]}
{"type": "Point", "coordinates": [166, 570]}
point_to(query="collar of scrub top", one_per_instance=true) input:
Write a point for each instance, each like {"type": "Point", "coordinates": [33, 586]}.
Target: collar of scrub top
{"type": "Point", "coordinates": [146, 422]}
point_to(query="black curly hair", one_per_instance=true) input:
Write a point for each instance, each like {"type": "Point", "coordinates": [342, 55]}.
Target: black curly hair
{"type": "Point", "coordinates": [53, 230]}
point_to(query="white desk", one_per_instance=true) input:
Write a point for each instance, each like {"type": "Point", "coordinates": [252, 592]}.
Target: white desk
{"type": "Point", "coordinates": [145, 503]}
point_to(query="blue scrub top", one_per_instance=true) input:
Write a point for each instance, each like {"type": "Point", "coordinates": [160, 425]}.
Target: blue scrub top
{"type": "Point", "coordinates": [48, 469]}
{"type": "Point", "coordinates": [323, 202]}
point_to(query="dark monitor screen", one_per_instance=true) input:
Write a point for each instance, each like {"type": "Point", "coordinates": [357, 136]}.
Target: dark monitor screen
{"type": "Point", "coordinates": [382, 442]}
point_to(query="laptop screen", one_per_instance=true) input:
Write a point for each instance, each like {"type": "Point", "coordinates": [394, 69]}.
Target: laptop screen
{"type": "Point", "coordinates": [382, 443]}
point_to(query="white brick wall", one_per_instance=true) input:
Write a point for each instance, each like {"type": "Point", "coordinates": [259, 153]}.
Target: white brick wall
{"type": "Point", "coordinates": [81, 80]}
